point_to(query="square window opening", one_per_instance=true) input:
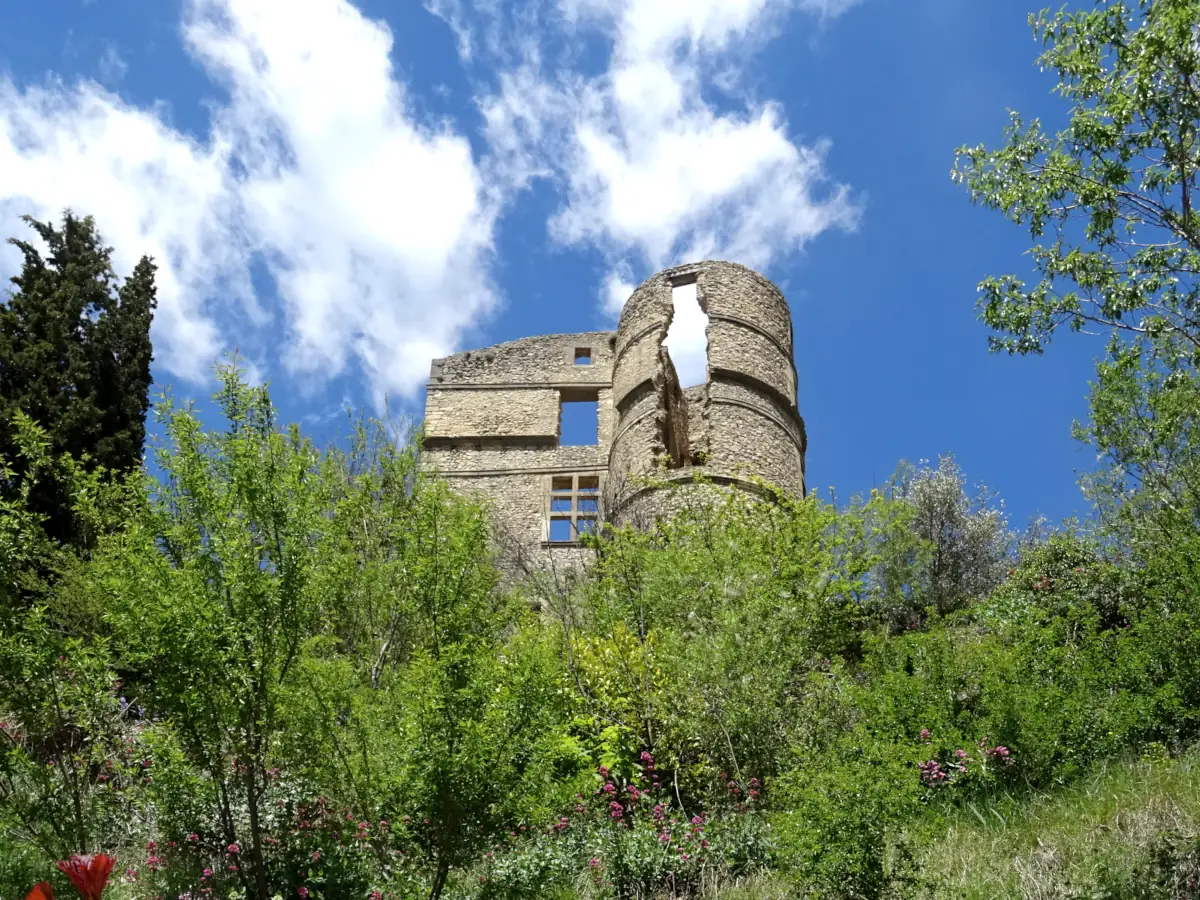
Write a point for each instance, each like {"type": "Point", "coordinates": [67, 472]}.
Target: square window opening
{"type": "Point", "coordinates": [561, 483]}
{"type": "Point", "coordinates": [585, 526]}
{"type": "Point", "coordinates": [583, 356]}
{"type": "Point", "coordinates": [579, 423]}
{"type": "Point", "coordinates": [561, 531]}
{"type": "Point", "coordinates": [589, 504]}
{"type": "Point", "coordinates": [589, 484]}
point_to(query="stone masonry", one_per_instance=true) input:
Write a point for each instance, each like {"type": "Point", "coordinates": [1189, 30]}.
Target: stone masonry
{"type": "Point", "coordinates": [493, 416]}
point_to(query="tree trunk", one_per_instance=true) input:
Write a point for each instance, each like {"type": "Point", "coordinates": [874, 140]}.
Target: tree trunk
{"type": "Point", "coordinates": [439, 880]}
{"type": "Point", "coordinates": [256, 857]}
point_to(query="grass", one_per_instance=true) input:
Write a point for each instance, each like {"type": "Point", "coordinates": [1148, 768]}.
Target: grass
{"type": "Point", "coordinates": [1127, 830]}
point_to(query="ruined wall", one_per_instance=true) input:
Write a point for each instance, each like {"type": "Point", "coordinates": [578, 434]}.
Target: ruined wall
{"type": "Point", "coordinates": [492, 415]}
{"type": "Point", "coordinates": [492, 429]}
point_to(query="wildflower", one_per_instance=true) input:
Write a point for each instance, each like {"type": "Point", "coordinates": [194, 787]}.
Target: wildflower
{"type": "Point", "coordinates": [960, 753]}
{"type": "Point", "coordinates": [151, 846]}
{"type": "Point", "coordinates": [658, 812]}
{"type": "Point", "coordinates": [315, 855]}
{"type": "Point", "coordinates": [89, 873]}
{"type": "Point", "coordinates": [206, 874]}
{"type": "Point", "coordinates": [302, 891]}
{"type": "Point", "coordinates": [932, 772]}
{"type": "Point", "coordinates": [609, 788]}
{"type": "Point", "coordinates": [593, 863]}
{"type": "Point", "coordinates": [664, 836]}
{"type": "Point", "coordinates": [697, 820]}
{"type": "Point", "coordinates": [153, 863]}
{"type": "Point", "coordinates": [616, 810]}
{"type": "Point", "coordinates": [603, 770]}
{"type": "Point", "coordinates": [375, 895]}
{"type": "Point", "coordinates": [925, 735]}
{"type": "Point", "coordinates": [234, 849]}
{"type": "Point", "coordinates": [41, 891]}
{"type": "Point", "coordinates": [646, 758]}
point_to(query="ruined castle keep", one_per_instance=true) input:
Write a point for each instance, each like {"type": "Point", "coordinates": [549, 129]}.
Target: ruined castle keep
{"type": "Point", "coordinates": [493, 417]}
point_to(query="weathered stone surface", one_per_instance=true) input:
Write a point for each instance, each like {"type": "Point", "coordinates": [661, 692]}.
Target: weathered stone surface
{"type": "Point", "coordinates": [492, 415]}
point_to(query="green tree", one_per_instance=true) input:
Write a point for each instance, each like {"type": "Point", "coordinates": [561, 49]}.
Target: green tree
{"type": "Point", "coordinates": [1110, 204]}
{"type": "Point", "coordinates": [75, 357]}
{"type": "Point", "coordinates": [211, 593]}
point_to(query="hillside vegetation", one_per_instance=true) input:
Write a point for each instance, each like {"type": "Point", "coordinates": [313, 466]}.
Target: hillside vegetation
{"type": "Point", "coordinates": [252, 667]}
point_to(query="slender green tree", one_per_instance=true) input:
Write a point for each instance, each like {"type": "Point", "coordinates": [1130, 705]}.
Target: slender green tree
{"type": "Point", "coordinates": [75, 357]}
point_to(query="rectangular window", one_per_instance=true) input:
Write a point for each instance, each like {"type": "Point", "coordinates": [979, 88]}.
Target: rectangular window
{"type": "Point", "coordinates": [583, 356]}
{"type": "Point", "coordinates": [574, 507]}
{"type": "Point", "coordinates": [579, 420]}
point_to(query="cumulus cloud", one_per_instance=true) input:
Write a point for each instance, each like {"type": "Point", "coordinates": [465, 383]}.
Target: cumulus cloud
{"type": "Point", "coordinates": [152, 189]}
{"type": "Point", "coordinates": [652, 171]}
{"type": "Point", "coordinates": [375, 228]}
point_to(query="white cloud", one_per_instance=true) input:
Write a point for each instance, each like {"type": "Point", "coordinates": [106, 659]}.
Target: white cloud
{"type": "Point", "coordinates": [687, 337]}
{"type": "Point", "coordinates": [376, 229]}
{"type": "Point", "coordinates": [112, 65]}
{"type": "Point", "coordinates": [152, 190]}
{"type": "Point", "coordinates": [651, 171]}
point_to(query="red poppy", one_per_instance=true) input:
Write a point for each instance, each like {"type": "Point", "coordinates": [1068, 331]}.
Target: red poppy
{"type": "Point", "coordinates": [88, 873]}
{"type": "Point", "coordinates": [41, 891]}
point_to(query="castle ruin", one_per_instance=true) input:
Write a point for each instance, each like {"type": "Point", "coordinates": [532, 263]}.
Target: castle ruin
{"type": "Point", "coordinates": [493, 417]}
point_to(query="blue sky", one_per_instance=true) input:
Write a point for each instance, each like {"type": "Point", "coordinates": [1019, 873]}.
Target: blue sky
{"type": "Point", "coordinates": [341, 191]}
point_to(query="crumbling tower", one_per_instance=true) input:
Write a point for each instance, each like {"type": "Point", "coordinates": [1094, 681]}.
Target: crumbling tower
{"type": "Point", "coordinates": [743, 422]}
{"type": "Point", "coordinates": [494, 418]}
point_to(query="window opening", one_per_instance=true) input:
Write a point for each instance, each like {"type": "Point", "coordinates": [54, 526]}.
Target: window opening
{"type": "Point", "coordinates": [687, 337]}
{"type": "Point", "coordinates": [574, 507]}
{"type": "Point", "coordinates": [579, 422]}
{"type": "Point", "coordinates": [583, 356]}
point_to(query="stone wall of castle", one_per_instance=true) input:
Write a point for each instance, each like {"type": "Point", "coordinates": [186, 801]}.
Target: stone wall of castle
{"type": "Point", "coordinates": [493, 416]}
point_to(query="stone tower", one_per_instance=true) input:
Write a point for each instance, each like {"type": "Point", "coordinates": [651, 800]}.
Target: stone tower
{"type": "Point", "coordinates": [742, 422]}
{"type": "Point", "coordinates": [494, 417]}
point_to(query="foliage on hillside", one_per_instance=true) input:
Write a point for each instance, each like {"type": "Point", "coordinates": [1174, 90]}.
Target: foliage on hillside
{"type": "Point", "coordinates": [293, 668]}
{"type": "Point", "coordinates": [276, 670]}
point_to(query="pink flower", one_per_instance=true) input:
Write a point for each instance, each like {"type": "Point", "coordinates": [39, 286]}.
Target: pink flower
{"type": "Point", "coordinates": [593, 863]}
{"type": "Point", "coordinates": [302, 891]}
{"type": "Point", "coordinates": [960, 753]}
{"type": "Point", "coordinates": [234, 849]}
{"type": "Point", "coordinates": [603, 770]}
{"type": "Point", "coordinates": [925, 735]}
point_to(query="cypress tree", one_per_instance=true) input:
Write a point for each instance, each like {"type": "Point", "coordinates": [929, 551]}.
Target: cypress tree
{"type": "Point", "coordinates": [75, 356]}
